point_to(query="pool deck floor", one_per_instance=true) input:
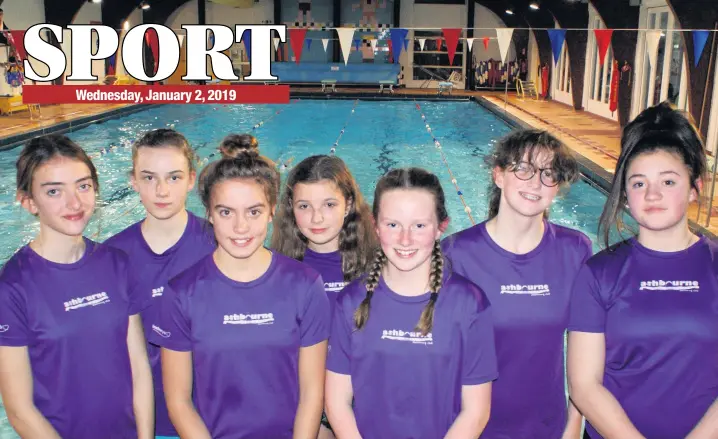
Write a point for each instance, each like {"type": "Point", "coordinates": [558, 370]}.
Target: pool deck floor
{"type": "Point", "coordinates": [593, 137]}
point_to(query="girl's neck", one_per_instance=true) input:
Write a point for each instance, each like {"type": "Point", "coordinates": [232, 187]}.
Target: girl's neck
{"type": "Point", "coordinates": [516, 233]}
{"type": "Point", "coordinates": [328, 247]}
{"type": "Point", "coordinates": [57, 247]}
{"type": "Point", "coordinates": [243, 270]}
{"type": "Point", "coordinates": [408, 283]}
{"type": "Point", "coordinates": [161, 234]}
{"type": "Point", "coordinates": [674, 239]}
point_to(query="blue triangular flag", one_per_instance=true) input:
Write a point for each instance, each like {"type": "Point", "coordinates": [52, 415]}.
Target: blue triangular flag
{"type": "Point", "coordinates": [308, 43]}
{"type": "Point", "coordinates": [398, 36]}
{"type": "Point", "coordinates": [357, 44]}
{"type": "Point", "coordinates": [699, 43]}
{"type": "Point", "coordinates": [557, 37]}
{"type": "Point", "coordinates": [247, 40]}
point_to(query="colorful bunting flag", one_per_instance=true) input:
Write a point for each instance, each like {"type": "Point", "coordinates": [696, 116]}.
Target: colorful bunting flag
{"type": "Point", "coordinates": [398, 35]}
{"type": "Point", "coordinates": [486, 43]}
{"type": "Point", "coordinates": [557, 37]}
{"type": "Point", "coordinates": [325, 43]}
{"type": "Point", "coordinates": [699, 43]}
{"type": "Point", "coordinates": [345, 35]}
{"type": "Point", "coordinates": [451, 35]}
{"type": "Point", "coordinates": [247, 40]}
{"type": "Point", "coordinates": [470, 42]}
{"type": "Point", "coordinates": [603, 40]}
{"type": "Point", "coordinates": [296, 40]}
{"type": "Point", "coordinates": [503, 37]}
{"type": "Point", "coordinates": [308, 43]}
{"type": "Point", "coordinates": [276, 43]}
{"type": "Point", "coordinates": [422, 42]}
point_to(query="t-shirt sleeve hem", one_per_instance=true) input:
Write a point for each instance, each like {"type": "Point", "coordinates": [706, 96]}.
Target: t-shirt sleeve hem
{"type": "Point", "coordinates": [171, 346]}
{"type": "Point", "coordinates": [14, 342]}
{"type": "Point", "coordinates": [338, 369]}
{"type": "Point", "coordinates": [311, 341]}
{"type": "Point", "coordinates": [586, 328]}
{"type": "Point", "coordinates": [473, 381]}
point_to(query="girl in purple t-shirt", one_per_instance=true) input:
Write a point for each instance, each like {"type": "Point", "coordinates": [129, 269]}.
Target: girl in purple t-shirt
{"type": "Point", "coordinates": [245, 327]}
{"type": "Point", "coordinates": [73, 362]}
{"type": "Point", "coordinates": [324, 221]}
{"type": "Point", "coordinates": [168, 240]}
{"type": "Point", "coordinates": [412, 342]}
{"type": "Point", "coordinates": [527, 266]}
{"type": "Point", "coordinates": [643, 341]}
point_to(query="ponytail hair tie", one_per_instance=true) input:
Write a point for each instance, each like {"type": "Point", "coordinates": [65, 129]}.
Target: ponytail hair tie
{"type": "Point", "coordinates": [433, 297]}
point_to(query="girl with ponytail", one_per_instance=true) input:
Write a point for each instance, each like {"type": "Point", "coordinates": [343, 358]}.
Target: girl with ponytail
{"type": "Point", "coordinates": [411, 343]}
{"type": "Point", "coordinates": [526, 265]}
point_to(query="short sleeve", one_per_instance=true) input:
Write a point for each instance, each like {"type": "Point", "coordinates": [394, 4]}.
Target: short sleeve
{"type": "Point", "coordinates": [138, 299]}
{"type": "Point", "coordinates": [171, 328]}
{"type": "Point", "coordinates": [479, 347]}
{"type": "Point", "coordinates": [315, 318]}
{"type": "Point", "coordinates": [338, 355]}
{"type": "Point", "coordinates": [14, 328]}
{"type": "Point", "coordinates": [587, 311]}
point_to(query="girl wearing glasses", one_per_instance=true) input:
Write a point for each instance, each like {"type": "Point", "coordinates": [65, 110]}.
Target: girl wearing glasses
{"type": "Point", "coordinates": [526, 265]}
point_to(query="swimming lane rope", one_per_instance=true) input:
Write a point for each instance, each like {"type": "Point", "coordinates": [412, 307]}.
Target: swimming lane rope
{"type": "Point", "coordinates": [437, 144]}
{"type": "Point", "coordinates": [341, 133]}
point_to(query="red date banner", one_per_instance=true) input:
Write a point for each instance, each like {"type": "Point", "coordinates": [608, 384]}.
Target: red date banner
{"type": "Point", "coordinates": [163, 94]}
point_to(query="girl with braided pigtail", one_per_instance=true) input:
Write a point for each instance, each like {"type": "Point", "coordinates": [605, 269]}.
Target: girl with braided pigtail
{"type": "Point", "coordinates": [409, 320]}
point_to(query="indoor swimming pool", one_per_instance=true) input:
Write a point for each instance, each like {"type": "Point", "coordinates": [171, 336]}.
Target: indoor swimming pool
{"type": "Point", "coordinates": [372, 137]}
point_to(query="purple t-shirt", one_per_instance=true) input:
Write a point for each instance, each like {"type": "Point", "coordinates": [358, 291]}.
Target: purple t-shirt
{"type": "Point", "coordinates": [659, 314]}
{"type": "Point", "coordinates": [73, 319]}
{"type": "Point", "coordinates": [407, 385]}
{"type": "Point", "coordinates": [245, 339]}
{"type": "Point", "coordinates": [530, 296]}
{"type": "Point", "coordinates": [152, 272]}
{"type": "Point", "coordinates": [329, 266]}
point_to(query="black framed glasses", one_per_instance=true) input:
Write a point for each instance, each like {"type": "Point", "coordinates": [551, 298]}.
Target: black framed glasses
{"type": "Point", "coordinates": [526, 171]}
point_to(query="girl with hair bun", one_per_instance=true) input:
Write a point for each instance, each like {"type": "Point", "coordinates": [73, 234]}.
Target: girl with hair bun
{"type": "Point", "coordinates": [412, 343]}
{"type": "Point", "coordinates": [246, 327]}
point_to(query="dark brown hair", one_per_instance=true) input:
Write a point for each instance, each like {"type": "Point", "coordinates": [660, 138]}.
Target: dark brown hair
{"type": "Point", "coordinates": [658, 128]}
{"type": "Point", "coordinates": [407, 178]}
{"type": "Point", "coordinates": [357, 240]}
{"type": "Point", "coordinates": [41, 150]}
{"type": "Point", "coordinates": [246, 166]}
{"type": "Point", "coordinates": [234, 144]}
{"type": "Point", "coordinates": [529, 143]}
{"type": "Point", "coordinates": [163, 138]}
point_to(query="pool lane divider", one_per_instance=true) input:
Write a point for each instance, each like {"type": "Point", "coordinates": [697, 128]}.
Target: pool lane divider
{"type": "Point", "coordinates": [333, 150]}
{"type": "Point", "coordinates": [437, 144]}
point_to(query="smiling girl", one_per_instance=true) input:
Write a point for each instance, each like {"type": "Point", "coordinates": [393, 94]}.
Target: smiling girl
{"type": "Point", "coordinates": [412, 343]}
{"type": "Point", "coordinates": [643, 346]}
{"type": "Point", "coordinates": [245, 327]}
{"type": "Point", "coordinates": [73, 362]}
{"type": "Point", "coordinates": [168, 240]}
{"type": "Point", "coordinates": [527, 265]}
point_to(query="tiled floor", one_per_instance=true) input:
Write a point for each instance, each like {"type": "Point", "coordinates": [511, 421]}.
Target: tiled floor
{"type": "Point", "coordinates": [595, 138]}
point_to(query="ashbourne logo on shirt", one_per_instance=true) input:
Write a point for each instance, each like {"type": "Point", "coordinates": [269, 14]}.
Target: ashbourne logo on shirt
{"type": "Point", "coordinates": [409, 336]}
{"type": "Point", "coordinates": [526, 290]}
{"type": "Point", "coordinates": [334, 286]}
{"type": "Point", "coordinates": [157, 292]}
{"type": "Point", "coordinates": [4, 328]}
{"type": "Point", "coordinates": [688, 286]}
{"type": "Point", "coordinates": [91, 300]}
{"type": "Point", "coordinates": [249, 319]}
{"type": "Point", "coordinates": [161, 332]}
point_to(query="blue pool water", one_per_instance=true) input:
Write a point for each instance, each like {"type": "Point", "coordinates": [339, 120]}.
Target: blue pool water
{"type": "Point", "coordinates": [379, 135]}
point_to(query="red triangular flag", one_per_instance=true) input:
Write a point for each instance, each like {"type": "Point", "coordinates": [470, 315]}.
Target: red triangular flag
{"type": "Point", "coordinates": [152, 40]}
{"type": "Point", "coordinates": [486, 43]}
{"type": "Point", "coordinates": [296, 40]}
{"type": "Point", "coordinates": [603, 39]}
{"type": "Point", "coordinates": [19, 36]}
{"type": "Point", "coordinates": [391, 51]}
{"type": "Point", "coordinates": [452, 39]}
{"type": "Point", "coordinates": [438, 43]}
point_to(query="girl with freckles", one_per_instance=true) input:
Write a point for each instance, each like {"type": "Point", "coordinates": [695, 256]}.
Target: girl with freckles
{"type": "Point", "coordinates": [412, 343]}
{"type": "Point", "coordinates": [643, 340]}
